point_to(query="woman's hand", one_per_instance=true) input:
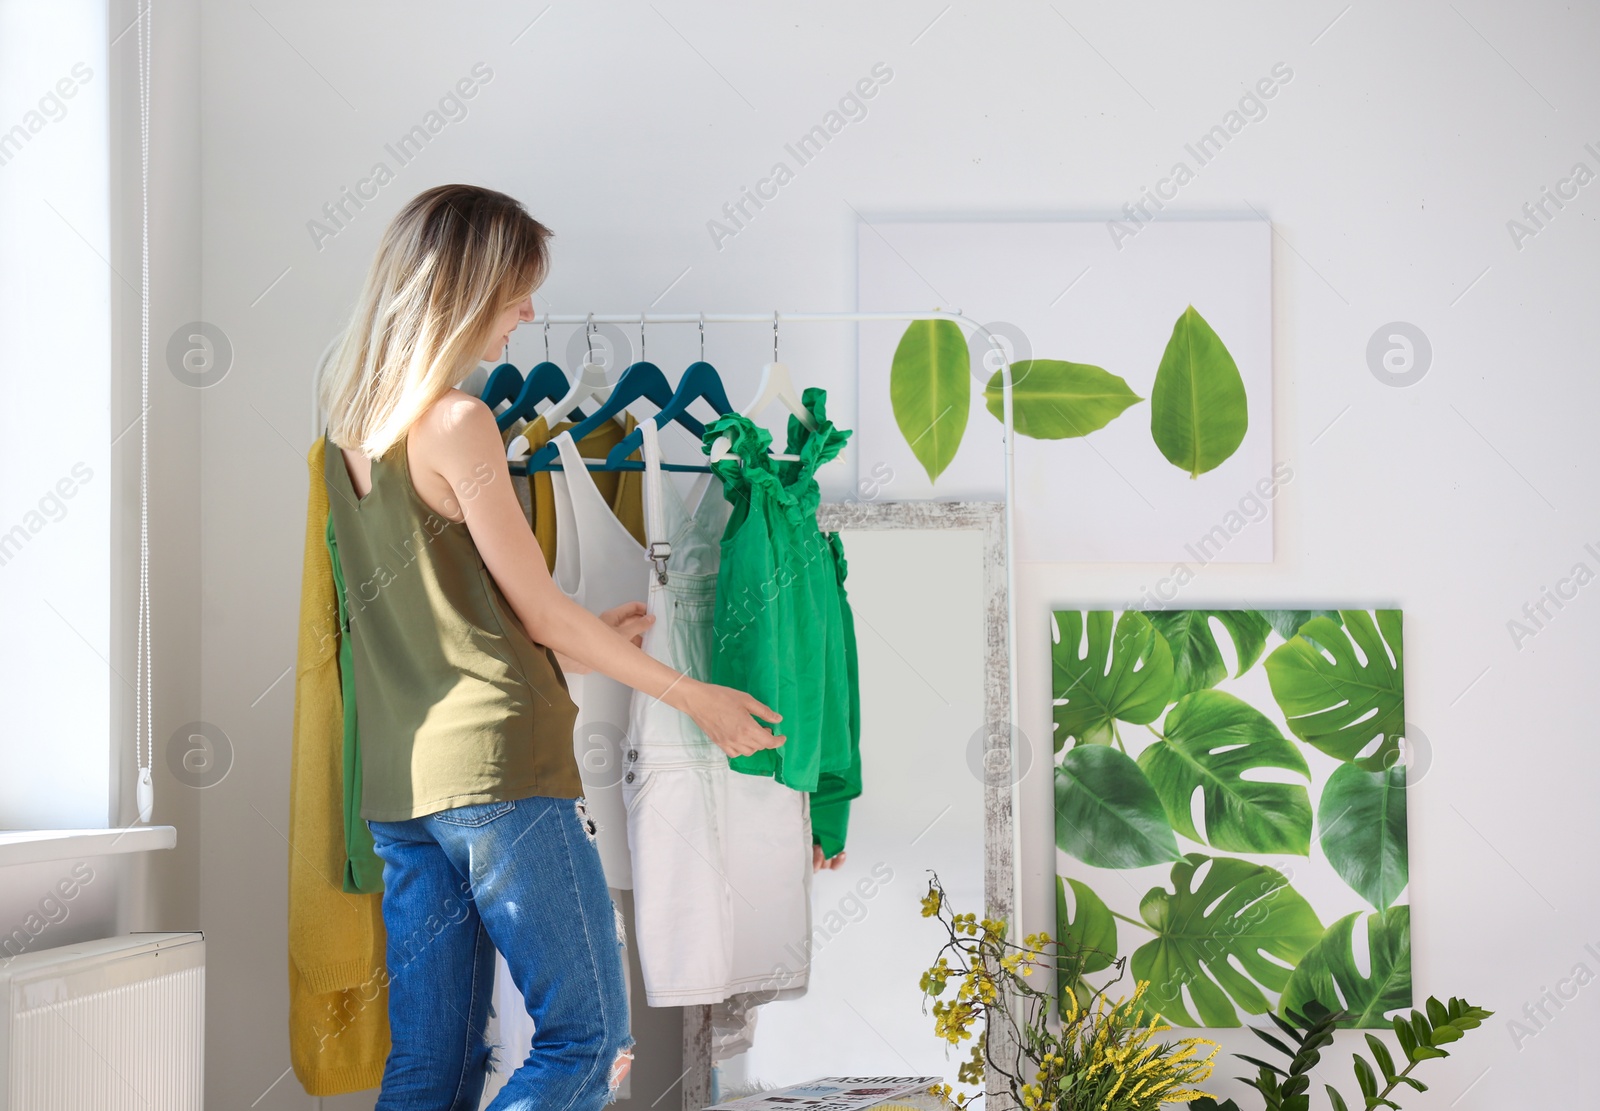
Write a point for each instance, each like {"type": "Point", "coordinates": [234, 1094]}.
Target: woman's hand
{"type": "Point", "coordinates": [723, 714]}
{"type": "Point", "coordinates": [628, 621]}
{"type": "Point", "coordinates": [820, 862]}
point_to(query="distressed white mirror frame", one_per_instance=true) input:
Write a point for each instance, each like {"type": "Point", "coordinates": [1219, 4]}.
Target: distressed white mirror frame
{"type": "Point", "coordinates": [999, 758]}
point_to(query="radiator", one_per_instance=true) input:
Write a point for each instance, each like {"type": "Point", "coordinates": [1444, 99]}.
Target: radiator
{"type": "Point", "coordinates": [105, 1025]}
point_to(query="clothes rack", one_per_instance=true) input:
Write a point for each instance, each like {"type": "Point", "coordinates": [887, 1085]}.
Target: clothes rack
{"type": "Point", "coordinates": [778, 317]}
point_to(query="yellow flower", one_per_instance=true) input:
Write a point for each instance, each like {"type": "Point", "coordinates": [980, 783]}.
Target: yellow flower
{"type": "Point", "coordinates": [930, 902]}
{"type": "Point", "coordinates": [1107, 1101]}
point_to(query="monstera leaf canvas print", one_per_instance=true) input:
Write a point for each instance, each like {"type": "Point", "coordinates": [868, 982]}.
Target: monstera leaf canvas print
{"type": "Point", "coordinates": [1230, 808]}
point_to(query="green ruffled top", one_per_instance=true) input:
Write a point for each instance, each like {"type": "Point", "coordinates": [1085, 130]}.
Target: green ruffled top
{"type": "Point", "coordinates": [782, 626]}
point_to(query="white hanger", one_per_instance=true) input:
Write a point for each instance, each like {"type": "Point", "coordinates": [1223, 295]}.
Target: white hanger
{"type": "Point", "coordinates": [590, 384]}
{"type": "Point", "coordinates": [776, 385]}
{"type": "Point", "coordinates": [517, 448]}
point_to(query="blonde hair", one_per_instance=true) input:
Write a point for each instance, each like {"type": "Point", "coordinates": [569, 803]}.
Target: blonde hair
{"type": "Point", "coordinates": [449, 263]}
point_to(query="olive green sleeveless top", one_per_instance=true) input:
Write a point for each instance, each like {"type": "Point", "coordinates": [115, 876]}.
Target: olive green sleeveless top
{"type": "Point", "coordinates": [457, 705]}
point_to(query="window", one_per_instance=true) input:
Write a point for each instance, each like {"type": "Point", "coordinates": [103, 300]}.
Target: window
{"type": "Point", "coordinates": [56, 490]}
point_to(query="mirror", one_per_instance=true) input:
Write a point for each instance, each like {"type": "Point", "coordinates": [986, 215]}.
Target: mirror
{"type": "Point", "coordinates": [927, 587]}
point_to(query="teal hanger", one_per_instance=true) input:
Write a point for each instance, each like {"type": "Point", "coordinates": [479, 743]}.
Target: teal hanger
{"type": "Point", "coordinates": [700, 382]}
{"type": "Point", "coordinates": [641, 380]}
{"type": "Point", "coordinates": [504, 382]}
{"type": "Point", "coordinates": [545, 382]}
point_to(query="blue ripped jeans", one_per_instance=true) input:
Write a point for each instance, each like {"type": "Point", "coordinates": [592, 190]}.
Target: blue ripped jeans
{"type": "Point", "coordinates": [523, 877]}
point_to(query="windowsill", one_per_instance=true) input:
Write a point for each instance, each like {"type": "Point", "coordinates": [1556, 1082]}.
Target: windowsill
{"type": "Point", "coordinates": [31, 846]}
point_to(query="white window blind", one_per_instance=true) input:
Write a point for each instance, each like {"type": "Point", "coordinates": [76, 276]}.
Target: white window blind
{"type": "Point", "coordinates": [56, 678]}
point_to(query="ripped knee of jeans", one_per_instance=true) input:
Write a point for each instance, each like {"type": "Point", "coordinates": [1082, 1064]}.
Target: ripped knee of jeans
{"type": "Point", "coordinates": [616, 913]}
{"type": "Point", "coordinates": [583, 816]}
{"type": "Point", "coordinates": [619, 1068]}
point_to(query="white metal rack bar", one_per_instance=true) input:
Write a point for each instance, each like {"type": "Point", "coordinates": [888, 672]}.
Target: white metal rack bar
{"type": "Point", "coordinates": [755, 317]}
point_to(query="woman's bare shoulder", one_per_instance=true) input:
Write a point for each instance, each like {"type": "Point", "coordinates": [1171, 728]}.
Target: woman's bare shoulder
{"type": "Point", "coordinates": [453, 423]}
{"type": "Point", "coordinates": [451, 435]}
{"type": "Point", "coordinates": [450, 442]}
{"type": "Point", "coordinates": [453, 408]}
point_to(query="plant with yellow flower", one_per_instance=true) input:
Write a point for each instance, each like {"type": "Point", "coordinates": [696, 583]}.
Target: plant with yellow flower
{"type": "Point", "coordinates": [1105, 1056]}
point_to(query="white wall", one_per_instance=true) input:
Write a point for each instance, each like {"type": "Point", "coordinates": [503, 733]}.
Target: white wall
{"type": "Point", "coordinates": [156, 891]}
{"type": "Point", "coordinates": [1389, 165]}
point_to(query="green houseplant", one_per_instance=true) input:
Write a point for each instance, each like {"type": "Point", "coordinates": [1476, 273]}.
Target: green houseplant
{"type": "Point", "coordinates": [1310, 1031]}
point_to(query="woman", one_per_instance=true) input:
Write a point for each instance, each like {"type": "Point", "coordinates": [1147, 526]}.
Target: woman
{"type": "Point", "coordinates": [460, 639]}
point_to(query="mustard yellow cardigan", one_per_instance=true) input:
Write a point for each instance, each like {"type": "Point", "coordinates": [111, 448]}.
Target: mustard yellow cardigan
{"type": "Point", "coordinates": [338, 980]}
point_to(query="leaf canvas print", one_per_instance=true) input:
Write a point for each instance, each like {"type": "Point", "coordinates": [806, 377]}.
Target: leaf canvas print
{"type": "Point", "coordinates": [1055, 400]}
{"type": "Point", "coordinates": [1102, 676]}
{"type": "Point", "coordinates": [931, 391]}
{"type": "Point", "coordinates": [1198, 413]}
{"type": "Point", "coordinates": [1196, 658]}
{"type": "Point", "coordinates": [1088, 937]}
{"type": "Point", "coordinates": [1132, 371]}
{"type": "Point", "coordinates": [1230, 808]}
{"type": "Point", "coordinates": [1350, 705]}
{"type": "Point", "coordinates": [1210, 742]}
{"type": "Point", "coordinates": [1329, 970]}
{"type": "Point", "coordinates": [1107, 813]}
{"type": "Point", "coordinates": [1223, 938]}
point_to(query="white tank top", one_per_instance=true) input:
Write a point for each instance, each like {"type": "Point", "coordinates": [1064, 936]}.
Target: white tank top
{"type": "Point", "coordinates": [599, 565]}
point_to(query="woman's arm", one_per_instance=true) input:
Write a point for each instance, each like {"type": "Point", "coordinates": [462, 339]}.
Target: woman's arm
{"type": "Point", "coordinates": [628, 621]}
{"type": "Point", "coordinates": [457, 438]}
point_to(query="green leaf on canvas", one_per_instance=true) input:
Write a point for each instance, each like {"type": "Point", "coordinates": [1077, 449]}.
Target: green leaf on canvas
{"type": "Point", "coordinates": [930, 389]}
{"type": "Point", "coordinates": [1107, 814]}
{"type": "Point", "coordinates": [1328, 973]}
{"type": "Point", "coordinates": [1338, 701]}
{"type": "Point", "coordinates": [1216, 939]}
{"type": "Point", "coordinates": [1211, 739]}
{"type": "Point", "coordinates": [1122, 677]}
{"type": "Point", "coordinates": [1287, 622]}
{"type": "Point", "coordinates": [1362, 816]}
{"type": "Point", "coordinates": [1196, 659]}
{"type": "Point", "coordinates": [1090, 938]}
{"type": "Point", "coordinates": [1198, 414]}
{"type": "Point", "coordinates": [1087, 943]}
{"type": "Point", "coordinates": [1055, 400]}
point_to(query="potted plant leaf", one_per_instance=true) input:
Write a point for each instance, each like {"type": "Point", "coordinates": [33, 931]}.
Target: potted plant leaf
{"type": "Point", "coordinates": [1309, 1031]}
